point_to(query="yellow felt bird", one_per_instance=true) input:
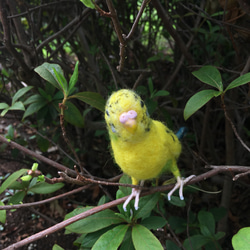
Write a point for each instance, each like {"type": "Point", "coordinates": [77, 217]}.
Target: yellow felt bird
{"type": "Point", "coordinates": [142, 147]}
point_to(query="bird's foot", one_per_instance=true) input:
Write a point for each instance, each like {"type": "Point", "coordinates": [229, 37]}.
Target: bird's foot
{"type": "Point", "coordinates": [134, 194]}
{"type": "Point", "coordinates": [180, 183]}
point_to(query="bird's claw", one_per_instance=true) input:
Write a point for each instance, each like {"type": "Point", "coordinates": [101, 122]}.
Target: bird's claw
{"type": "Point", "coordinates": [134, 194]}
{"type": "Point", "coordinates": [180, 183]}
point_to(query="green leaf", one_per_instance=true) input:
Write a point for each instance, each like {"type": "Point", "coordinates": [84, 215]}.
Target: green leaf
{"type": "Point", "coordinates": [57, 247]}
{"type": "Point", "coordinates": [33, 98]}
{"type": "Point", "coordinates": [112, 239]}
{"type": "Point", "coordinates": [17, 198]}
{"type": "Point", "coordinates": [171, 245]}
{"type": "Point", "coordinates": [176, 201]}
{"type": "Point", "coordinates": [198, 100]}
{"type": "Point", "coordinates": [12, 178]}
{"type": "Point", "coordinates": [62, 81]}
{"type": "Point", "coordinates": [4, 112]}
{"type": "Point", "coordinates": [209, 75]}
{"type": "Point", "coordinates": [154, 222]}
{"type": "Point", "coordinates": [146, 205]}
{"type": "Point", "coordinates": [2, 214]}
{"type": "Point", "coordinates": [88, 3]}
{"type": "Point", "coordinates": [207, 223]}
{"type": "Point", "coordinates": [127, 242]}
{"type": "Point", "coordinates": [90, 239]}
{"type": "Point", "coordinates": [45, 188]}
{"type": "Point", "coordinates": [143, 239]}
{"type": "Point", "coordinates": [74, 78]}
{"type": "Point", "coordinates": [94, 222]}
{"type": "Point", "coordinates": [44, 94]}
{"type": "Point", "coordinates": [195, 242]}
{"type": "Point", "coordinates": [34, 107]}
{"type": "Point", "coordinates": [17, 106]}
{"type": "Point", "coordinates": [3, 105]}
{"type": "Point", "coordinates": [46, 71]}
{"type": "Point", "coordinates": [178, 224]}
{"type": "Point", "coordinates": [20, 93]}
{"type": "Point", "coordinates": [91, 98]}
{"type": "Point", "coordinates": [239, 81]}
{"type": "Point", "coordinates": [161, 93]}
{"type": "Point", "coordinates": [241, 240]}
{"type": "Point", "coordinates": [219, 235]}
{"type": "Point", "coordinates": [73, 115]}
{"type": "Point", "coordinates": [42, 143]}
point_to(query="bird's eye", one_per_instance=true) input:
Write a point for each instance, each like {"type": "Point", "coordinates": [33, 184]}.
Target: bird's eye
{"type": "Point", "coordinates": [107, 112]}
{"type": "Point", "coordinates": [142, 104]}
{"type": "Point", "coordinates": [113, 128]}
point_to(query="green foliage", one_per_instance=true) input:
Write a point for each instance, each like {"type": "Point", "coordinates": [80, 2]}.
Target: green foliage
{"type": "Point", "coordinates": [241, 240]}
{"type": "Point", "coordinates": [57, 247]}
{"type": "Point", "coordinates": [88, 3]}
{"type": "Point", "coordinates": [15, 105]}
{"type": "Point", "coordinates": [27, 185]}
{"type": "Point", "coordinates": [132, 229]}
{"type": "Point", "coordinates": [109, 230]}
{"type": "Point", "coordinates": [53, 74]}
{"type": "Point", "coordinates": [2, 214]}
{"type": "Point", "coordinates": [211, 76]}
{"type": "Point", "coordinates": [151, 93]}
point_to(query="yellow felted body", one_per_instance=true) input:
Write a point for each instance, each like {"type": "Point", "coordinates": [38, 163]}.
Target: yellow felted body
{"type": "Point", "coordinates": [147, 150]}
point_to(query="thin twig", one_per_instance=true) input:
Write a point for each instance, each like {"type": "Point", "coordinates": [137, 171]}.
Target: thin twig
{"type": "Point", "coordinates": [63, 224]}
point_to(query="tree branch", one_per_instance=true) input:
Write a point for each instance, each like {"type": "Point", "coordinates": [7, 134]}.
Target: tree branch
{"type": "Point", "coordinates": [59, 226]}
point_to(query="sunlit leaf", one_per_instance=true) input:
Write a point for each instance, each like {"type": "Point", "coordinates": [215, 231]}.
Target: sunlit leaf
{"type": "Point", "coordinates": [239, 81]}
{"type": "Point", "coordinates": [198, 100]}
{"type": "Point", "coordinates": [209, 75]}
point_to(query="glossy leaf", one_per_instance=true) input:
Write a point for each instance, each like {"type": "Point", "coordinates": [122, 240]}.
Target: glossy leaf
{"type": "Point", "coordinates": [2, 214]}
{"type": "Point", "coordinates": [88, 3]}
{"type": "Point", "coordinates": [198, 100]}
{"type": "Point", "coordinates": [209, 75]}
{"type": "Point", "coordinates": [73, 115]}
{"type": "Point", "coordinates": [3, 105]}
{"type": "Point", "coordinates": [20, 93]}
{"type": "Point", "coordinates": [17, 198]}
{"type": "Point", "coordinates": [241, 240]}
{"type": "Point", "coordinates": [171, 245]}
{"type": "Point", "coordinates": [112, 239]}
{"type": "Point", "coordinates": [34, 107]}
{"type": "Point", "coordinates": [46, 71]}
{"type": "Point", "coordinates": [207, 223]}
{"type": "Point", "coordinates": [91, 98]}
{"type": "Point", "coordinates": [94, 222]}
{"type": "Point", "coordinates": [57, 247]}
{"type": "Point", "coordinates": [33, 98]}
{"type": "Point", "coordinates": [143, 239]}
{"type": "Point", "coordinates": [195, 242]}
{"type": "Point", "coordinates": [146, 205]}
{"type": "Point", "coordinates": [62, 82]}
{"type": "Point", "coordinates": [74, 78]}
{"type": "Point", "coordinates": [154, 222]}
{"type": "Point", "coordinates": [45, 188]}
{"type": "Point", "coordinates": [12, 178]}
{"type": "Point", "coordinates": [239, 81]}
{"type": "Point", "coordinates": [17, 106]}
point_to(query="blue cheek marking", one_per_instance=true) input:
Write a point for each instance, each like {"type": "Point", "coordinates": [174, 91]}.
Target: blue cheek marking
{"type": "Point", "coordinates": [113, 128]}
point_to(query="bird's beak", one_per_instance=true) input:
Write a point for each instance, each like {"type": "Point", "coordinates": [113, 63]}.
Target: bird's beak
{"type": "Point", "coordinates": [128, 119]}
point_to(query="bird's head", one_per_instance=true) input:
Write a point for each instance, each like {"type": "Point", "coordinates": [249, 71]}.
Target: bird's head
{"type": "Point", "coordinates": [126, 115]}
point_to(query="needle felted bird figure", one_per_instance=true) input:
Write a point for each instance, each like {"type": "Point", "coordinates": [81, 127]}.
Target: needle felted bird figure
{"type": "Point", "coordinates": [142, 147]}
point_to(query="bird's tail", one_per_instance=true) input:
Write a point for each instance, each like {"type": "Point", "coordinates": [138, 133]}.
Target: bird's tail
{"type": "Point", "coordinates": [181, 132]}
